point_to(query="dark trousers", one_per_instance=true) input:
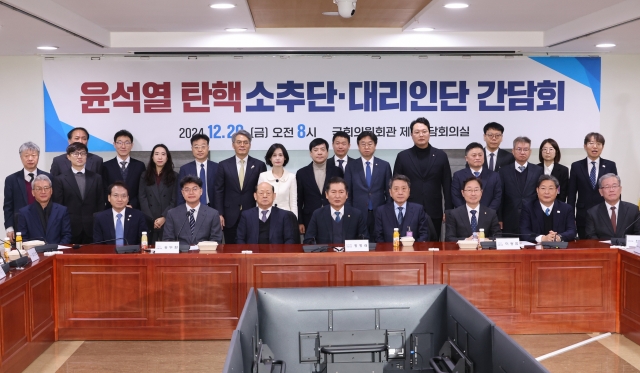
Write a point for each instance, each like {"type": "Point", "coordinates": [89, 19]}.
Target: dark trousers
{"type": "Point", "coordinates": [437, 224]}
{"type": "Point", "coordinates": [371, 224]}
{"type": "Point", "coordinates": [582, 232]}
{"type": "Point", "coordinates": [82, 238]}
{"type": "Point", "coordinates": [230, 234]}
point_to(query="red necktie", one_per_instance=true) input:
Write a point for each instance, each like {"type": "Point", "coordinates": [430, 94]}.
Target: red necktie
{"type": "Point", "coordinates": [613, 218]}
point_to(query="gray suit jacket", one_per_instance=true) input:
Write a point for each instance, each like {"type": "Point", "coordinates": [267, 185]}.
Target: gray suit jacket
{"type": "Point", "coordinates": [61, 163]}
{"type": "Point", "coordinates": [207, 228]}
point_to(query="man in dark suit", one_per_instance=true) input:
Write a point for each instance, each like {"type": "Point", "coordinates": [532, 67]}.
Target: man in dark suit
{"type": "Point", "coordinates": [368, 180]}
{"type": "Point", "coordinates": [192, 222]}
{"type": "Point", "coordinates": [120, 224]}
{"type": "Point", "coordinates": [201, 167]}
{"type": "Point", "coordinates": [492, 186]}
{"type": "Point", "coordinates": [612, 217]}
{"type": "Point", "coordinates": [341, 143]}
{"type": "Point", "coordinates": [519, 181]}
{"type": "Point", "coordinates": [547, 219]}
{"type": "Point", "coordinates": [17, 186]}
{"type": "Point", "coordinates": [61, 163]}
{"type": "Point", "coordinates": [464, 220]}
{"type": "Point", "coordinates": [428, 169]}
{"type": "Point", "coordinates": [123, 168]}
{"type": "Point", "coordinates": [236, 180]}
{"type": "Point", "coordinates": [311, 182]}
{"type": "Point", "coordinates": [583, 191]}
{"type": "Point", "coordinates": [267, 224]}
{"type": "Point", "coordinates": [336, 222]}
{"type": "Point", "coordinates": [44, 219]}
{"type": "Point", "coordinates": [406, 216]}
{"type": "Point", "coordinates": [495, 157]}
{"type": "Point", "coordinates": [81, 191]}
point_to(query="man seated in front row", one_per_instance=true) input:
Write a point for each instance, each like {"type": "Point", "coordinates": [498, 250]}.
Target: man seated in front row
{"type": "Point", "coordinates": [401, 214]}
{"type": "Point", "coordinates": [336, 222]}
{"type": "Point", "coordinates": [547, 219]}
{"type": "Point", "coordinates": [44, 219]}
{"type": "Point", "coordinates": [267, 224]}
{"type": "Point", "coordinates": [464, 220]}
{"type": "Point", "coordinates": [120, 224]}
{"type": "Point", "coordinates": [192, 222]}
{"type": "Point", "coordinates": [613, 217]}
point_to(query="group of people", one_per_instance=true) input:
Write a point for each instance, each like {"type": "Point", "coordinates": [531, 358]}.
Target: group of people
{"type": "Point", "coordinates": [83, 200]}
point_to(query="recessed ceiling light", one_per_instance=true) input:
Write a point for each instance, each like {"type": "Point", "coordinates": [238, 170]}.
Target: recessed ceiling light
{"type": "Point", "coordinates": [423, 29]}
{"type": "Point", "coordinates": [456, 5]}
{"type": "Point", "coordinates": [47, 48]}
{"type": "Point", "coordinates": [605, 45]}
{"type": "Point", "coordinates": [235, 29]}
{"type": "Point", "coordinates": [222, 6]}
{"type": "Point", "coordinates": [330, 13]}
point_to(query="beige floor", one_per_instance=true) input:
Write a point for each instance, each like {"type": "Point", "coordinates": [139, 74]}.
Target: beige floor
{"type": "Point", "coordinates": [613, 354]}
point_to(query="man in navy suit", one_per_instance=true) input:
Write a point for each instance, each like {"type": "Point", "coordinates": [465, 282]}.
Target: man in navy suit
{"type": "Point", "coordinates": [44, 220]}
{"type": "Point", "coordinates": [547, 219]}
{"type": "Point", "coordinates": [464, 220]}
{"type": "Point", "coordinates": [236, 180]}
{"type": "Point", "coordinates": [123, 168]}
{"type": "Point", "coordinates": [492, 191]}
{"type": "Point", "coordinates": [519, 181]}
{"type": "Point", "coordinates": [613, 217]}
{"type": "Point", "coordinates": [201, 167]}
{"type": "Point", "coordinates": [120, 224]}
{"type": "Point", "coordinates": [267, 224]}
{"type": "Point", "coordinates": [400, 214]}
{"type": "Point", "coordinates": [428, 169]}
{"type": "Point", "coordinates": [61, 163]}
{"type": "Point", "coordinates": [336, 222]}
{"type": "Point", "coordinates": [17, 186]}
{"type": "Point", "coordinates": [311, 181]}
{"type": "Point", "coordinates": [583, 191]}
{"type": "Point", "coordinates": [495, 157]}
{"type": "Point", "coordinates": [341, 143]}
{"type": "Point", "coordinates": [368, 179]}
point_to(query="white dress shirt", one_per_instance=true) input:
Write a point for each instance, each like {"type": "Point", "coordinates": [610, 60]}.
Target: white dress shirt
{"type": "Point", "coordinates": [590, 166]}
{"type": "Point", "coordinates": [260, 212]}
{"type": "Point", "coordinates": [344, 164]}
{"type": "Point", "coordinates": [548, 170]}
{"type": "Point", "coordinates": [195, 213]}
{"type": "Point", "coordinates": [544, 209]}
{"type": "Point", "coordinates": [477, 212]}
{"type": "Point", "coordinates": [128, 160]}
{"type": "Point", "coordinates": [75, 171]}
{"type": "Point", "coordinates": [198, 168]}
{"type": "Point", "coordinates": [286, 189]}
{"type": "Point", "coordinates": [26, 174]}
{"type": "Point", "coordinates": [617, 206]}
{"type": "Point", "coordinates": [122, 219]}
{"type": "Point", "coordinates": [364, 166]}
{"type": "Point", "coordinates": [526, 164]}
{"type": "Point", "coordinates": [333, 213]}
{"type": "Point", "coordinates": [404, 209]}
{"type": "Point", "coordinates": [488, 158]}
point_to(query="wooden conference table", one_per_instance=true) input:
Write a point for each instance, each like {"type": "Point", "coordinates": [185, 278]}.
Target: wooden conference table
{"type": "Point", "coordinates": [95, 294]}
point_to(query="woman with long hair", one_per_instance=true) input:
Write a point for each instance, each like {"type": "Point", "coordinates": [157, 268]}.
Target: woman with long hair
{"type": "Point", "coordinates": [283, 181]}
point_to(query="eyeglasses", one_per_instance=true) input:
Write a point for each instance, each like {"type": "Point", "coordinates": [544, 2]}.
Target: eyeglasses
{"type": "Point", "coordinates": [591, 143]}
{"type": "Point", "coordinates": [79, 154]}
{"type": "Point", "coordinates": [548, 150]}
{"type": "Point", "coordinates": [610, 187]}
{"type": "Point", "coordinates": [494, 135]}
{"type": "Point", "coordinates": [120, 196]}
{"type": "Point", "coordinates": [240, 142]}
{"type": "Point", "coordinates": [126, 143]}
{"type": "Point", "coordinates": [522, 150]}
{"type": "Point", "coordinates": [367, 145]}
{"type": "Point", "coordinates": [191, 190]}
{"type": "Point", "coordinates": [200, 147]}
{"type": "Point", "coordinates": [472, 191]}
{"type": "Point", "coordinates": [40, 189]}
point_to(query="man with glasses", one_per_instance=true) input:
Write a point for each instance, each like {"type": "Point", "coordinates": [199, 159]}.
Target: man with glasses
{"type": "Point", "coordinates": [201, 167]}
{"type": "Point", "coordinates": [123, 168]}
{"type": "Point", "coordinates": [81, 191]}
{"type": "Point", "coordinates": [495, 157]}
{"type": "Point", "coordinates": [192, 222]}
{"type": "Point", "coordinates": [121, 224]}
{"type": "Point", "coordinates": [61, 163]}
{"type": "Point", "coordinates": [44, 220]}
{"type": "Point", "coordinates": [519, 181]}
{"type": "Point", "coordinates": [17, 186]}
{"type": "Point", "coordinates": [492, 186]}
{"type": "Point", "coordinates": [612, 218]}
{"type": "Point", "coordinates": [583, 192]}
{"type": "Point", "coordinates": [464, 220]}
{"type": "Point", "coordinates": [235, 183]}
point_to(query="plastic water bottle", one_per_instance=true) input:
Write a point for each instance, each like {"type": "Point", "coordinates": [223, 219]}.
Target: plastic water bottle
{"type": "Point", "coordinates": [144, 241]}
{"type": "Point", "coordinates": [396, 237]}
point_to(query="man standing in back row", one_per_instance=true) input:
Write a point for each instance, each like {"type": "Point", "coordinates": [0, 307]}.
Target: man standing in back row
{"type": "Point", "coordinates": [495, 157]}
{"type": "Point", "coordinates": [61, 163]}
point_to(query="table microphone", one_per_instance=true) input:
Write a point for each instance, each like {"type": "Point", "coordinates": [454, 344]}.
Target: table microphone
{"type": "Point", "coordinates": [20, 262]}
{"type": "Point", "coordinates": [119, 249]}
{"type": "Point", "coordinates": [44, 248]}
{"type": "Point", "coordinates": [622, 241]}
{"type": "Point", "coordinates": [182, 247]}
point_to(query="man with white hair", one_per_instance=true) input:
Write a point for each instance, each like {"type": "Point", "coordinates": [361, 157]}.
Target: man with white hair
{"type": "Point", "coordinates": [612, 218]}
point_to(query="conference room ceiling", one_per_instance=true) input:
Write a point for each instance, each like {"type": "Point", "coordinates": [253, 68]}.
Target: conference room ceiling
{"type": "Point", "coordinates": [126, 26]}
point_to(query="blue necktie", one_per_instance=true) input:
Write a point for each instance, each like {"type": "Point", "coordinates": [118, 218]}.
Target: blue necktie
{"type": "Point", "coordinates": [203, 177]}
{"type": "Point", "coordinates": [592, 175]}
{"type": "Point", "coordinates": [521, 168]}
{"type": "Point", "coordinates": [400, 217]}
{"type": "Point", "coordinates": [337, 217]}
{"type": "Point", "coordinates": [367, 175]}
{"type": "Point", "coordinates": [491, 162]}
{"type": "Point", "coordinates": [340, 162]}
{"type": "Point", "coordinates": [474, 221]}
{"type": "Point", "coordinates": [476, 174]}
{"type": "Point", "coordinates": [192, 221]}
{"type": "Point", "coordinates": [119, 231]}
{"type": "Point", "coordinates": [547, 211]}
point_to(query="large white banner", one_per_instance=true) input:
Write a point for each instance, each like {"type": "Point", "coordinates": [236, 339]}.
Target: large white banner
{"type": "Point", "coordinates": [292, 101]}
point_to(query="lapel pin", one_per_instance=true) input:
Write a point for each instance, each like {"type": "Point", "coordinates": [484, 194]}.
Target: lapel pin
{"type": "Point", "coordinates": [252, 166]}
{"type": "Point", "coordinates": [603, 166]}
{"type": "Point", "coordinates": [558, 211]}
{"type": "Point", "coordinates": [348, 216]}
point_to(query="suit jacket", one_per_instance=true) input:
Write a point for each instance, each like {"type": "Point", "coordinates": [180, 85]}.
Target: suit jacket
{"type": "Point", "coordinates": [111, 172]}
{"type": "Point", "coordinates": [513, 198]}
{"type": "Point", "coordinates": [61, 163]}
{"type": "Point", "coordinates": [427, 189]}
{"type": "Point", "coordinates": [309, 197]}
{"type": "Point", "coordinates": [359, 192]}
{"type": "Point", "coordinates": [532, 221]}
{"type": "Point", "coordinates": [58, 224]}
{"type": "Point", "coordinates": [15, 196]}
{"type": "Point", "coordinates": [67, 193]}
{"type": "Point", "coordinates": [599, 224]}
{"type": "Point", "coordinates": [333, 160]}
{"type": "Point", "coordinates": [283, 226]}
{"type": "Point", "coordinates": [387, 220]}
{"type": "Point", "coordinates": [561, 173]}
{"type": "Point", "coordinates": [580, 194]}
{"type": "Point", "coordinates": [207, 228]}
{"type": "Point", "coordinates": [458, 225]}
{"type": "Point", "coordinates": [133, 221]}
{"type": "Point", "coordinates": [286, 189]}
{"type": "Point", "coordinates": [190, 169]}
{"type": "Point", "coordinates": [156, 199]}
{"type": "Point", "coordinates": [491, 187]}
{"type": "Point", "coordinates": [230, 200]}
{"type": "Point", "coordinates": [505, 157]}
{"type": "Point", "coordinates": [320, 229]}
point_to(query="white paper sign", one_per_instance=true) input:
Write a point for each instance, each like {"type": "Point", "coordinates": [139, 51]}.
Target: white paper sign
{"type": "Point", "coordinates": [33, 255]}
{"type": "Point", "coordinates": [632, 240]}
{"type": "Point", "coordinates": [507, 244]}
{"type": "Point", "coordinates": [167, 247]}
{"type": "Point", "coordinates": [356, 245]}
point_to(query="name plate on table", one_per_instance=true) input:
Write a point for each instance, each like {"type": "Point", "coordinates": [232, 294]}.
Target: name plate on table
{"type": "Point", "coordinates": [33, 255]}
{"type": "Point", "coordinates": [507, 243]}
{"type": "Point", "coordinates": [633, 240]}
{"type": "Point", "coordinates": [167, 247]}
{"type": "Point", "coordinates": [356, 245]}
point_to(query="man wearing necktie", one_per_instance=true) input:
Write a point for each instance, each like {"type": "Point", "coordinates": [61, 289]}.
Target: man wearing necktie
{"type": "Point", "coordinates": [464, 220]}
{"type": "Point", "coordinates": [547, 219]}
{"type": "Point", "coordinates": [495, 157]}
{"type": "Point", "coordinates": [120, 224]}
{"type": "Point", "coordinates": [201, 167]}
{"type": "Point", "coordinates": [341, 143]}
{"type": "Point", "coordinates": [612, 217]}
{"type": "Point", "coordinates": [492, 187]}
{"type": "Point", "coordinates": [123, 168]}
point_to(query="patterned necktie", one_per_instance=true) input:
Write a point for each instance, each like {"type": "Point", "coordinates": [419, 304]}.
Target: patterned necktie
{"type": "Point", "coordinates": [400, 217]}
{"type": "Point", "coordinates": [203, 177]}
{"type": "Point", "coordinates": [340, 164]}
{"type": "Point", "coordinates": [491, 167]}
{"type": "Point", "coordinates": [592, 174]}
{"type": "Point", "coordinates": [264, 216]}
{"type": "Point", "coordinates": [192, 221]}
{"type": "Point", "coordinates": [367, 175]}
{"type": "Point", "coordinates": [476, 173]}
{"type": "Point", "coordinates": [123, 169]}
{"type": "Point", "coordinates": [547, 211]}
{"type": "Point", "coordinates": [119, 231]}
{"type": "Point", "coordinates": [521, 168]}
{"type": "Point", "coordinates": [241, 173]}
{"type": "Point", "coordinates": [613, 218]}
{"type": "Point", "coordinates": [474, 221]}
{"type": "Point", "coordinates": [337, 216]}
